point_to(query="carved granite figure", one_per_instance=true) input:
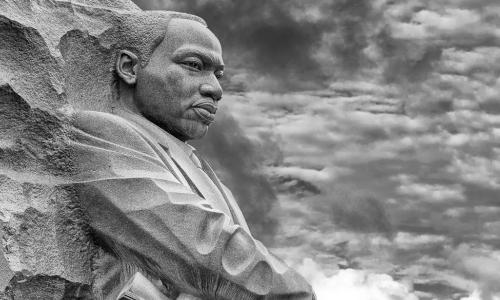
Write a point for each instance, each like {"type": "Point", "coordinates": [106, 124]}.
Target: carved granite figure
{"type": "Point", "coordinates": [153, 206]}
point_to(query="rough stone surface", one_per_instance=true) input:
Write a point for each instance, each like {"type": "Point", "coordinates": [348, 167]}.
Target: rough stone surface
{"type": "Point", "coordinates": [47, 50]}
{"type": "Point", "coordinates": [74, 176]}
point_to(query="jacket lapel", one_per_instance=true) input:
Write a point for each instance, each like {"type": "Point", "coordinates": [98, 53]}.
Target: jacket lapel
{"type": "Point", "coordinates": [176, 156]}
{"type": "Point", "coordinates": [233, 206]}
{"type": "Point", "coordinates": [198, 177]}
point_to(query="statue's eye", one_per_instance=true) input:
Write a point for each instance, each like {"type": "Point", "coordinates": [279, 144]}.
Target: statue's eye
{"type": "Point", "coordinates": [193, 64]}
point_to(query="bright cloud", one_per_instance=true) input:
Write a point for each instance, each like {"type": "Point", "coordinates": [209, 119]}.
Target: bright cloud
{"type": "Point", "coordinates": [430, 192]}
{"type": "Point", "coordinates": [353, 284]}
{"type": "Point", "coordinates": [477, 295]}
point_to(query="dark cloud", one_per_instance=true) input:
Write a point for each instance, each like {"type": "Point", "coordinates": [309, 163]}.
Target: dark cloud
{"type": "Point", "coordinates": [407, 60]}
{"type": "Point", "coordinates": [258, 35]}
{"type": "Point", "coordinates": [294, 45]}
{"type": "Point", "coordinates": [352, 21]}
{"type": "Point", "coordinates": [237, 161]}
{"type": "Point", "coordinates": [355, 211]}
{"type": "Point", "coordinates": [284, 42]}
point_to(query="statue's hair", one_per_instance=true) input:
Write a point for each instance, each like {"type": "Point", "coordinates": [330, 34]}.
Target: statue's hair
{"type": "Point", "coordinates": [141, 32]}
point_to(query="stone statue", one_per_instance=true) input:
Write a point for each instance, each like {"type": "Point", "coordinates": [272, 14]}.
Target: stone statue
{"type": "Point", "coordinates": [144, 207]}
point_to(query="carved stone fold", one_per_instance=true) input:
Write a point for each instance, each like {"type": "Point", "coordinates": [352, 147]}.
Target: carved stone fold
{"type": "Point", "coordinates": [52, 55]}
{"type": "Point", "coordinates": [97, 183]}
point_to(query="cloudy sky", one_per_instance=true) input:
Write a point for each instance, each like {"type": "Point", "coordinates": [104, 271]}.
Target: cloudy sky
{"type": "Point", "coordinates": [362, 138]}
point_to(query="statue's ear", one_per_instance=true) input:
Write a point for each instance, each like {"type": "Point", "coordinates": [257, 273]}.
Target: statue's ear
{"type": "Point", "coordinates": [126, 66]}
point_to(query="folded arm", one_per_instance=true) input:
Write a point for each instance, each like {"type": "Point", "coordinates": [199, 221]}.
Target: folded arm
{"type": "Point", "coordinates": [171, 232]}
{"type": "Point", "coordinates": [177, 237]}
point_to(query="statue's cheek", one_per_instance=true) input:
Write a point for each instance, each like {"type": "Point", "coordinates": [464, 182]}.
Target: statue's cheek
{"type": "Point", "coordinates": [180, 82]}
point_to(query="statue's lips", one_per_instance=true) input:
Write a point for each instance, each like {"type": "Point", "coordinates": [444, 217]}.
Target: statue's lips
{"type": "Point", "coordinates": [205, 111]}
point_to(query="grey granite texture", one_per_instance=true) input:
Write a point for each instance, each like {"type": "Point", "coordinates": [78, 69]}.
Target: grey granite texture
{"type": "Point", "coordinates": [47, 247]}
{"type": "Point", "coordinates": [97, 99]}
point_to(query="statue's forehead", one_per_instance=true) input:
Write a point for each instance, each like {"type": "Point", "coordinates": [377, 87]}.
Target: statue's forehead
{"type": "Point", "coordinates": [183, 32]}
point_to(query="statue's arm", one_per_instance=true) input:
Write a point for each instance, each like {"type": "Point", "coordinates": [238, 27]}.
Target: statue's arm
{"type": "Point", "coordinates": [178, 238]}
{"type": "Point", "coordinates": [175, 235]}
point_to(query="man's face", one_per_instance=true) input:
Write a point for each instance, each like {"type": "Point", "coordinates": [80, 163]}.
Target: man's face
{"type": "Point", "coordinates": [179, 88]}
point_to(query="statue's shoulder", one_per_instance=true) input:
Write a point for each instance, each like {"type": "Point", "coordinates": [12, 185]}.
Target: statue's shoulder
{"type": "Point", "coordinates": [88, 119]}
{"type": "Point", "coordinates": [110, 128]}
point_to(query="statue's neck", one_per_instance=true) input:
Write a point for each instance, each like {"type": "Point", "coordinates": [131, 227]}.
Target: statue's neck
{"type": "Point", "coordinates": [125, 98]}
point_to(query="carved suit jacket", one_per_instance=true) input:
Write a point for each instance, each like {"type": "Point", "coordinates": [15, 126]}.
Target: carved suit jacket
{"type": "Point", "coordinates": [159, 209]}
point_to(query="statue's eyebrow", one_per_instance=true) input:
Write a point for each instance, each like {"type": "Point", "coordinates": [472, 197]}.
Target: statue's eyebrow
{"type": "Point", "coordinates": [208, 57]}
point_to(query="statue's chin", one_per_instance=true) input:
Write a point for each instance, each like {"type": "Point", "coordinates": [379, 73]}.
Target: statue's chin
{"type": "Point", "coordinates": [184, 129]}
{"type": "Point", "coordinates": [192, 130]}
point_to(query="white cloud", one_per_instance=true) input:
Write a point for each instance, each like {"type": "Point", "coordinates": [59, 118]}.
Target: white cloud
{"type": "Point", "coordinates": [479, 170]}
{"type": "Point", "coordinates": [326, 174]}
{"type": "Point", "coordinates": [353, 284]}
{"type": "Point", "coordinates": [443, 23]}
{"type": "Point", "coordinates": [477, 295]}
{"type": "Point", "coordinates": [406, 240]}
{"type": "Point", "coordinates": [433, 193]}
{"type": "Point", "coordinates": [480, 59]}
{"type": "Point", "coordinates": [452, 20]}
{"type": "Point", "coordinates": [480, 263]}
{"type": "Point", "coordinates": [455, 212]}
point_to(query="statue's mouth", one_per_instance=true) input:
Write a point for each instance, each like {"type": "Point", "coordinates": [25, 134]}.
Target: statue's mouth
{"type": "Point", "coordinates": [205, 111]}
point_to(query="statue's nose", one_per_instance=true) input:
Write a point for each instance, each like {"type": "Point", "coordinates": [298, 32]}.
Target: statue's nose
{"type": "Point", "coordinates": [213, 91]}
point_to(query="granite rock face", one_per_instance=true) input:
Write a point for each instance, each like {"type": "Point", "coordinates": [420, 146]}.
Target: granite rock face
{"type": "Point", "coordinates": [90, 198]}
{"type": "Point", "coordinates": [54, 56]}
